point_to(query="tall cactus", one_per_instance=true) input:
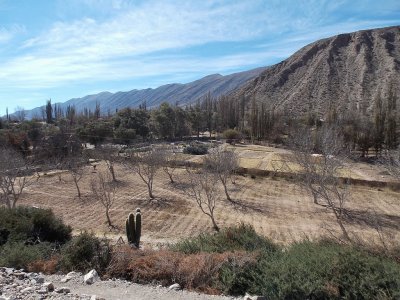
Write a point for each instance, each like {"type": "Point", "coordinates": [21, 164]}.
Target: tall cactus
{"type": "Point", "coordinates": [134, 228]}
{"type": "Point", "coordinates": [130, 228]}
{"type": "Point", "coordinates": [138, 228]}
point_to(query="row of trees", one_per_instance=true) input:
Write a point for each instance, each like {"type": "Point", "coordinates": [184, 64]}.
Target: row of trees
{"type": "Point", "coordinates": [377, 129]}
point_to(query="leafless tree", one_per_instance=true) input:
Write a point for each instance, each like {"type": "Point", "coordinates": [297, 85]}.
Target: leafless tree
{"type": "Point", "coordinates": [108, 155]}
{"type": "Point", "coordinates": [321, 157]}
{"type": "Point", "coordinates": [103, 190]}
{"type": "Point", "coordinates": [169, 162]}
{"type": "Point", "coordinates": [223, 163]}
{"type": "Point", "coordinates": [13, 176]}
{"type": "Point", "coordinates": [74, 165]}
{"type": "Point", "coordinates": [20, 113]}
{"type": "Point", "coordinates": [146, 164]}
{"type": "Point", "coordinates": [202, 188]}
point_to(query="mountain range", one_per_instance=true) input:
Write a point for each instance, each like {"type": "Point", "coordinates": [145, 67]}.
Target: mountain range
{"type": "Point", "coordinates": [182, 94]}
{"type": "Point", "coordinates": [348, 71]}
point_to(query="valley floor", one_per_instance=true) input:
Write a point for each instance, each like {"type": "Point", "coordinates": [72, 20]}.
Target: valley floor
{"type": "Point", "coordinates": [275, 207]}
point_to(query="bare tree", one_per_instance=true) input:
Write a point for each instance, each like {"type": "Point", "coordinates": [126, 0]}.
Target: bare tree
{"type": "Point", "coordinates": [104, 191]}
{"type": "Point", "coordinates": [20, 113]}
{"type": "Point", "coordinates": [202, 188]}
{"type": "Point", "coordinates": [145, 164]}
{"type": "Point", "coordinates": [224, 164]}
{"type": "Point", "coordinates": [13, 176]}
{"type": "Point", "coordinates": [321, 157]}
{"type": "Point", "coordinates": [76, 170]}
{"type": "Point", "coordinates": [169, 162]}
{"type": "Point", "coordinates": [107, 154]}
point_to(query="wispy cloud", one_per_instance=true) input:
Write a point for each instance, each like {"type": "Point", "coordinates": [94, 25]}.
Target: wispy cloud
{"type": "Point", "coordinates": [112, 40]}
{"type": "Point", "coordinates": [8, 33]}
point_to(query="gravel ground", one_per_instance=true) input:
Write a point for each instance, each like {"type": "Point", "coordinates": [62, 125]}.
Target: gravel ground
{"type": "Point", "coordinates": [17, 284]}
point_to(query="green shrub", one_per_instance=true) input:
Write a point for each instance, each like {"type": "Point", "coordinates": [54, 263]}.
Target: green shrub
{"type": "Point", "coordinates": [19, 255]}
{"type": "Point", "coordinates": [241, 237]}
{"type": "Point", "coordinates": [31, 225]}
{"type": "Point", "coordinates": [196, 149]}
{"type": "Point", "coordinates": [231, 135]}
{"type": "Point", "coordinates": [85, 252]}
{"type": "Point", "coordinates": [309, 270]}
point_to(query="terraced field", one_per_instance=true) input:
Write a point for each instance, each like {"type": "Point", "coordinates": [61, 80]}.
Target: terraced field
{"type": "Point", "coordinates": [277, 208]}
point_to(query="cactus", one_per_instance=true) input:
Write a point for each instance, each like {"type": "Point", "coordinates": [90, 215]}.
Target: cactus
{"type": "Point", "coordinates": [138, 228]}
{"type": "Point", "coordinates": [130, 228]}
{"type": "Point", "coordinates": [134, 228]}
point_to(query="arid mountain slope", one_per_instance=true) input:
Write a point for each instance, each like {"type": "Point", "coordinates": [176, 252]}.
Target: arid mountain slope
{"type": "Point", "coordinates": [187, 93]}
{"type": "Point", "coordinates": [347, 70]}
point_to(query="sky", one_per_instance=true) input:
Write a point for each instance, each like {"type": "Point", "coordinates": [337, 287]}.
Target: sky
{"type": "Point", "coordinates": [63, 49]}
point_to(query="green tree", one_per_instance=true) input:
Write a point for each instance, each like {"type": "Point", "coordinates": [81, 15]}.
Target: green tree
{"type": "Point", "coordinates": [164, 119]}
{"type": "Point", "coordinates": [49, 112]}
{"type": "Point", "coordinates": [137, 119]}
{"type": "Point", "coordinates": [95, 132]}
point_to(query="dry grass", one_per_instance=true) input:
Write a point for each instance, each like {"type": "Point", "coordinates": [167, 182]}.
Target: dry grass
{"type": "Point", "coordinates": [46, 266]}
{"type": "Point", "coordinates": [195, 271]}
{"type": "Point", "coordinates": [274, 207]}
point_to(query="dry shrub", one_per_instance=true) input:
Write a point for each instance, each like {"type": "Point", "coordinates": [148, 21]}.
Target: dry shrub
{"type": "Point", "coordinates": [121, 257]}
{"type": "Point", "coordinates": [201, 271]}
{"type": "Point", "coordinates": [192, 271]}
{"type": "Point", "coordinates": [156, 266]}
{"type": "Point", "coordinates": [46, 266]}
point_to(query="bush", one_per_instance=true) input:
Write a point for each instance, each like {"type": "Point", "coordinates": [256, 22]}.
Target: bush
{"type": "Point", "coordinates": [196, 149]}
{"type": "Point", "coordinates": [231, 135]}
{"type": "Point", "coordinates": [242, 237]}
{"type": "Point", "coordinates": [194, 271]}
{"type": "Point", "coordinates": [85, 252]}
{"type": "Point", "coordinates": [18, 255]}
{"type": "Point", "coordinates": [309, 270]}
{"type": "Point", "coordinates": [31, 225]}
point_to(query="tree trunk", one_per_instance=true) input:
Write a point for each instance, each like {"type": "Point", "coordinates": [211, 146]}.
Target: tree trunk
{"type": "Point", "coordinates": [226, 191]}
{"type": "Point", "coordinates": [111, 168]}
{"type": "Point", "coordinates": [315, 197]}
{"type": "Point", "coordinates": [108, 218]}
{"type": "Point", "coordinates": [339, 221]}
{"type": "Point", "coordinates": [77, 188]}
{"type": "Point", "coordinates": [170, 177]}
{"type": "Point", "coordinates": [149, 187]}
{"type": "Point", "coordinates": [215, 226]}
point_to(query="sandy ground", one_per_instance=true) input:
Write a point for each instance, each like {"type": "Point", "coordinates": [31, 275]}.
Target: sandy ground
{"type": "Point", "coordinates": [276, 208]}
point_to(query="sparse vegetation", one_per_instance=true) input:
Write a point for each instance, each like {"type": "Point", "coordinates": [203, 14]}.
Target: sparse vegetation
{"type": "Point", "coordinates": [196, 149]}
{"type": "Point", "coordinates": [235, 259]}
{"type": "Point", "coordinates": [29, 234]}
{"type": "Point", "coordinates": [85, 252]}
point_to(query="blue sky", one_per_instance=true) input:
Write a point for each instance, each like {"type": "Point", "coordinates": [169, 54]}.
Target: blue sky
{"type": "Point", "coordinates": [61, 49]}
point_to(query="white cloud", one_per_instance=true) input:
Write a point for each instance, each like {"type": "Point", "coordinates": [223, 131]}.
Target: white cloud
{"type": "Point", "coordinates": [8, 33]}
{"type": "Point", "coordinates": [132, 39]}
{"type": "Point", "coordinates": [89, 49]}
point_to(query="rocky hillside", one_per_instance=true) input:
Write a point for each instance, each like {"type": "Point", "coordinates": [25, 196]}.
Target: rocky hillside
{"type": "Point", "coordinates": [216, 84]}
{"type": "Point", "coordinates": [347, 70]}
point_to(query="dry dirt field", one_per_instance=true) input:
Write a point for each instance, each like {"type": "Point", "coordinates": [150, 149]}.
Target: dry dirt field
{"type": "Point", "coordinates": [277, 208]}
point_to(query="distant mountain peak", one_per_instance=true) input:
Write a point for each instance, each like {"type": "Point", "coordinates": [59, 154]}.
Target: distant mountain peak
{"type": "Point", "coordinates": [346, 71]}
{"type": "Point", "coordinates": [173, 93]}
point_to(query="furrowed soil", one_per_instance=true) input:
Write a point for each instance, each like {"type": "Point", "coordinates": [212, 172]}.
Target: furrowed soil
{"type": "Point", "coordinates": [276, 207]}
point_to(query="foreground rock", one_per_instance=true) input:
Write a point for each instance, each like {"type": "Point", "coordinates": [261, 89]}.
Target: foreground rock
{"type": "Point", "coordinates": [18, 284]}
{"type": "Point", "coordinates": [91, 277]}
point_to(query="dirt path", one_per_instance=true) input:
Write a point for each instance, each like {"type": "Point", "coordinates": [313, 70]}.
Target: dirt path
{"type": "Point", "coordinates": [124, 290]}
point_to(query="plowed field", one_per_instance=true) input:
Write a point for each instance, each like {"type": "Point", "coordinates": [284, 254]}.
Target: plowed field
{"type": "Point", "coordinates": [277, 208]}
